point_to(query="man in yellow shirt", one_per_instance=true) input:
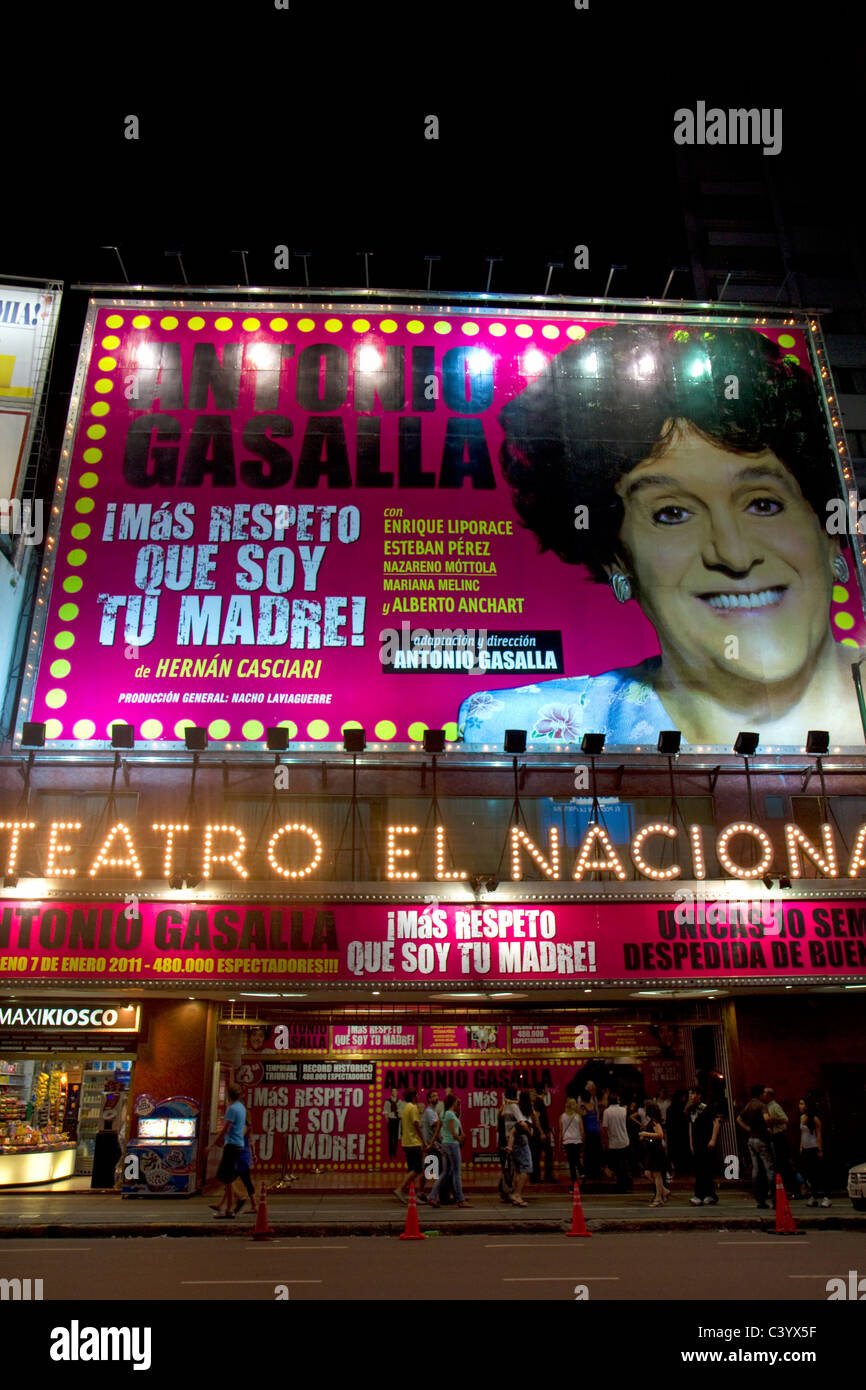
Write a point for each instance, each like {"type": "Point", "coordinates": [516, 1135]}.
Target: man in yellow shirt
{"type": "Point", "coordinates": [412, 1139]}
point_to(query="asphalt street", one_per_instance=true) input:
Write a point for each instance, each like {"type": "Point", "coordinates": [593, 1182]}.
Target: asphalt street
{"type": "Point", "coordinates": [650, 1265]}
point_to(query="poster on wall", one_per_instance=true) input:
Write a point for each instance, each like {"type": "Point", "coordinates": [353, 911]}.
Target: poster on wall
{"type": "Point", "coordinates": [334, 516]}
{"type": "Point", "coordinates": [464, 1037]}
{"type": "Point", "coordinates": [308, 1114]}
{"type": "Point", "coordinates": [552, 1037]}
{"type": "Point", "coordinates": [479, 1085]}
{"type": "Point", "coordinates": [338, 1115]}
{"type": "Point", "coordinates": [28, 319]}
{"type": "Point", "coordinates": [596, 941]}
{"type": "Point", "coordinates": [372, 1037]}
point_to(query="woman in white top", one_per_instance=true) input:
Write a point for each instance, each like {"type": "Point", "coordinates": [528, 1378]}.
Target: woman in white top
{"type": "Point", "coordinates": [571, 1134]}
{"type": "Point", "coordinates": [812, 1153]}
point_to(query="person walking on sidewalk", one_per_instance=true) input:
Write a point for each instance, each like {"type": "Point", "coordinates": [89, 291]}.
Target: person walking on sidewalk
{"type": "Point", "coordinates": [452, 1138]}
{"type": "Point", "coordinates": [244, 1175]}
{"type": "Point", "coordinates": [413, 1145]}
{"type": "Point", "coordinates": [431, 1126]}
{"type": "Point", "coordinates": [652, 1141]}
{"type": "Point", "coordinates": [231, 1140]}
{"type": "Point", "coordinates": [614, 1126]}
{"type": "Point", "coordinates": [777, 1124]}
{"type": "Point", "coordinates": [509, 1114]}
{"type": "Point", "coordinates": [571, 1134]}
{"type": "Point", "coordinates": [753, 1119]}
{"type": "Point", "coordinates": [542, 1142]}
{"type": "Point", "coordinates": [590, 1113]}
{"type": "Point", "coordinates": [521, 1134]}
{"type": "Point", "coordinates": [812, 1153]}
{"type": "Point", "coordinates": [635, 1117]}
{"type": "Point", "coordinates": [704, 1128]}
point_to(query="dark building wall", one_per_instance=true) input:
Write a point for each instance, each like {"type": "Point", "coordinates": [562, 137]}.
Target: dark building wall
{"type": "Point", "coordinates": [806, 1044]}
{"type": "Point", "coordinates": [172, 1060]}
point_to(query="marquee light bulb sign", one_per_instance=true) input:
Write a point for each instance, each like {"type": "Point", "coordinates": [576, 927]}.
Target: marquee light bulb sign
{"type": "Point", "coordinates": [221, 852]}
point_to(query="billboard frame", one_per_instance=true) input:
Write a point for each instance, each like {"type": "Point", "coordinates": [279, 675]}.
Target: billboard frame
{"type": "Point", "coordinates": [648, 311]}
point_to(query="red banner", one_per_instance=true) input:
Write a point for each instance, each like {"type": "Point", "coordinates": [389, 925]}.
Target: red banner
{"type": "Point", "coordinates": [326, 943]}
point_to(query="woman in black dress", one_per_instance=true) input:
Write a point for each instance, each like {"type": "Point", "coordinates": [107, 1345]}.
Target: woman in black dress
{"type": "Point", "coordinates": [652, 1144]}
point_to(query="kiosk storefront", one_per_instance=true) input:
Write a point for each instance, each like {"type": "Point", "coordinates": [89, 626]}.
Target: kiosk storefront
{"type": "Point", "coordinates": [66, 1067]}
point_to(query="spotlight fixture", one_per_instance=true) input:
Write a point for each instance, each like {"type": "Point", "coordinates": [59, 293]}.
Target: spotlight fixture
{"type": "Point", "coordinates": [492, 884]}
{"type": "Point", "coordinates": [33, 735]}
{"type": "Point", "coordinates": [817, 741]}
{"type": "Point", "coordinates": [354, 740]}
{"type": "Point", "coordinates": [768, 881]}
{"type": "Point", "coordinates": [515, 741]}
{"type": "Point", "coordinates": [10, 881]}
{"type": "Point", "coordinates": [784, 882]}
{"type": "Point", "coordinates": [745, 744]}
{"type": "Point", "coordinates": [669, 742]}
{"type": "Point", "coordinates": [592, 743]}
{"type": "Point", "coordinates": [434, 740]}
{"type": "Point", "coordinates": [122, 736]}
{"type": "Point", "coordinates": [277, 740]}
{"type": "Point", "coordinates": [195, 740]}
{"type": "Point", "coordinates": [176, 881]}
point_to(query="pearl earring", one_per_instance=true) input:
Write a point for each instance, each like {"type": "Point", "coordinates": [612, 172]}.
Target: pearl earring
{"type": "Point", "coordinates": [840, 569]}
{"type": "Point", "coordinates": [621, 585]}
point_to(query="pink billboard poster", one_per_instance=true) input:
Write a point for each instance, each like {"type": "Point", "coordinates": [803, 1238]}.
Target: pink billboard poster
{"type": "Point", "coordinates": [308, 1115]}
{"type": "Point", "coordinates": [656, 941]}
{"type": "Point", "coordinates": [527, 1038]}
{"type": "Point", "coordinates": [374, 1037]}
{"type": "Point", "coordinates": [460, 1037]}
{"type": "Point", "coordinates": [326, 517]}
{"type": "Point", "coordinates": [479, 1085]}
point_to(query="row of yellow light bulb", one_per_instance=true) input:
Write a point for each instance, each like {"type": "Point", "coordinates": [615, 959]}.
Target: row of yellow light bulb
{"type": "Point", "coordinates": [796, 840]}
{"type": "Point", "coordinates": [131, 860]}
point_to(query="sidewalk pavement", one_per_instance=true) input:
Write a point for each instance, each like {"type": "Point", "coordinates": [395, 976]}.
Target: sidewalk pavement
{"type": "Point", "coordinates": [317, 1213]}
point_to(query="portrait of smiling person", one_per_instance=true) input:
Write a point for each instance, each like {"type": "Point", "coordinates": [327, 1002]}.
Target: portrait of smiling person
{"type": "Point", "coordinates": [691, 470]}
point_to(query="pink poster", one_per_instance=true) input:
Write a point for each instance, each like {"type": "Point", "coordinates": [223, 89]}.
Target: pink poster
{"type": "Point", "coordinates": [322, 943]}
{"type": "Point", "coordinates": [374, 1037]}
{"type": "Point", "coordinates": [480, 1086]}
{"type": "Point", "coordinates": [462, 1037]}
{"type": "Point", "coordinates": [552, 1037]}
{"type": "Point", "coordinates": [308, 1115]}
{"type": "Point", "coordinates": [308, 519]}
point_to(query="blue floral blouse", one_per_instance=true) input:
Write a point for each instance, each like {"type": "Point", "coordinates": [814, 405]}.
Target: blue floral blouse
{"type": "Point", "coordinates": [621, 704]}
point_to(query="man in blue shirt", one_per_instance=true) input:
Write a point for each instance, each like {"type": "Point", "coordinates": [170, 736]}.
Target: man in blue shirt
{"type": "Point", "coordinates": [231, 1139]}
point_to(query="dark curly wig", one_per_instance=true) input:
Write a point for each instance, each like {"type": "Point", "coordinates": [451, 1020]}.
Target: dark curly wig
{"type": "Point", "coordinates": [599, 408]}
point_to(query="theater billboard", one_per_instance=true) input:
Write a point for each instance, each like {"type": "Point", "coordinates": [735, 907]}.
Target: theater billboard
{"type": "Point", "coordinates": [453, 518]}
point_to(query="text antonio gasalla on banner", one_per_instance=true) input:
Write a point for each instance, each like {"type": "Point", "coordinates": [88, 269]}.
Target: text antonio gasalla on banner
{"type": "Point", "coordinates": [296, 850]}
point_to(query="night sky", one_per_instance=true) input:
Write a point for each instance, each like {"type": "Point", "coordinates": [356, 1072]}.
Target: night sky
{"type": "Point", "coordinates": [305, 127]}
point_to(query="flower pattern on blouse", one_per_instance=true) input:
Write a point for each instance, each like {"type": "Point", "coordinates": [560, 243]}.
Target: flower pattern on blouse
{"type": "Point", "coordinates": [559, 721]}
{"type": "Point", "coordinates": [482, 706]}
{"type": "Point", "coordinates": [621, 704]}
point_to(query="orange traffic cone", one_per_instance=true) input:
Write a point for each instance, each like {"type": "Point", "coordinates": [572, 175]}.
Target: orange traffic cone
{"type": "Point", "coordinates": [263, 1230]}
{"type": "Point", "coordinates": [785, 1223]}
{"type": "Point", "coordinates": [578, 1224]}
{"type": "Point", "coordinates": [413, 1230]}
